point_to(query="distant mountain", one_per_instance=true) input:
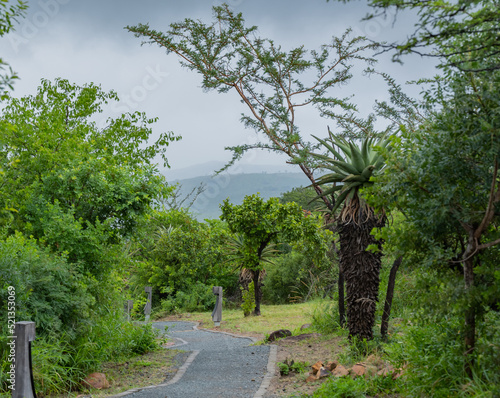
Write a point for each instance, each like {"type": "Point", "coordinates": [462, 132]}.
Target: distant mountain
{"type": "Point", "coordinates": [209, 168]}
{"type": "Point", "coordinates": [236, 187]}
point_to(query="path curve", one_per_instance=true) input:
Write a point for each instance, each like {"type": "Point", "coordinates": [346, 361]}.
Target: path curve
{"type": "Point", "coordinates": [220, 365]}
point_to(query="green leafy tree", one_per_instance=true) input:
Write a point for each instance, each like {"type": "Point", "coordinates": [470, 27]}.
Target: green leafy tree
{"type": "Point", "coordinates": [303, 196]}
{"type": "Point", "coordinates": [76, 187]}
{"type": "Point", "coordinates": [351, 169]}
{"type": "Point", "coordinates": [444, 179]}
{"type": "Point", "coordinates": [443, 174]}
{"type": "Point", "coordinates": [9, 13]}
{"type": "Point", "coordinates": [263, 223]}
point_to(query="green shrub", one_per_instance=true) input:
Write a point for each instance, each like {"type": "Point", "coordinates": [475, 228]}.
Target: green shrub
{"type": "Point", "coordinates": [73, 336]}
{"type": "Point", "coordinates": [325, 318]}
{"type": "Point", "coordinates": [198, 298]}
{"type": "Point", "coordinates": [296, 277]}
{"type": "Point", "coordinates": [248, 298]}
{"type": "Point", "coordinates": [342, 388]}
{"type": "Point", "coordinates": [49, 291]}
{"type": "Point", "coordinates": [358, 388]}
{"type": "Point", "coordinates": [182, 260]}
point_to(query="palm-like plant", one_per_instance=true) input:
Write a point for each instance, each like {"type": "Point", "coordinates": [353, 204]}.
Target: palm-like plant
{"type": "Point", "coordinates": [351, 167]}
{"type": "Point", "coordinates": [249, 262]}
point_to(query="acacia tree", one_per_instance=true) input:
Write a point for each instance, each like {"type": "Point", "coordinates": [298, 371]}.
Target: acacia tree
{"type": "Point", "coordinates": [263, 223]}
{"type": "Point", "coordinates": [274, 84]}
{"type": "Point", "coordinates": [444, 179]}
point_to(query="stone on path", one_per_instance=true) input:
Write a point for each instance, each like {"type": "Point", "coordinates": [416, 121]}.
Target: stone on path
{"type": "Point", "coordinates": [96, 380]}
{"type": "Point", "coordinates": [340, 371]}
{"type": "Point", "coordinates": [278, 334]}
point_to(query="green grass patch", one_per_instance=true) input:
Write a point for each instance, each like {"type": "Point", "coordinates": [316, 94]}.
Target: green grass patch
{"type": "Point", "coordinates": [287, 316]}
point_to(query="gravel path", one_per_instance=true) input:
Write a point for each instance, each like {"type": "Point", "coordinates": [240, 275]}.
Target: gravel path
{"type": "Point", "coordinates": [220, 365]}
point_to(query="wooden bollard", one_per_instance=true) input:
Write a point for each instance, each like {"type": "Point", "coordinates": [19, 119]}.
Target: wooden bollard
{"type": "Point", "coordinates": [217, 312]}
{"type": "Point", "coordinates": [147, 307]}
{"type": "Point", "coordinates": [25, 334]}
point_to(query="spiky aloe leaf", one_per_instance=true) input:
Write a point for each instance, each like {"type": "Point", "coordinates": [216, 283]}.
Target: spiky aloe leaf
{"type": "Point", "coordinates": [327, 179]}
{"type": "Point", "coordinates": [356, 158]}
{"type": "Point", "coordinates": [352, 185]}
{"type": "Point", "coordinates": [354, 178]}
{"type": "Point", "coordinates": [367, 172]}
{"type": "Point", "coordinates": [340, 200]}
{"type": "Point", "coordinates": [329, 147]}
{"type": "Point", "coordinates": [365, 148]}
{"type": "Point", "coordinates": [347, 167]}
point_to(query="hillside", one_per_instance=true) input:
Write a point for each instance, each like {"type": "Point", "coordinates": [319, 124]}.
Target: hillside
{"type": "Point", "coordinates": [235, 187]}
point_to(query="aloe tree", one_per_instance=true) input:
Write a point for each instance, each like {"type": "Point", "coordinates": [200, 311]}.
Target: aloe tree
{"type": "Point", "coordinates": [351, 168]}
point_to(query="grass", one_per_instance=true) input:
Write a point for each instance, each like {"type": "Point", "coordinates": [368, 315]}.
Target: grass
{"type": "Point", "coordinates": [273, 317]}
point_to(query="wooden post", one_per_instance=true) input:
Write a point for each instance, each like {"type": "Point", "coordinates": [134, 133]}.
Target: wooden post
{"type": "Point", "coordinates": [217, 312]}
{"type": "Point", "coordinates": [147, 307]}
{"type": "Point", "coordinates": [25, 334]}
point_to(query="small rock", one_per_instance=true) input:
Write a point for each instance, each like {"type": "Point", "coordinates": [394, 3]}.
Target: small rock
{"type": "Point", "coordinates": [331, 365]}
{"type": "Point", "coordinates": [301, 337]}
{"type": "Point", "coordinates": [96, 380]}
{"type": "Point", "coordinates": [323, 372]}
{"type": "Point", "coordinates": [278, 334]}
{"type": "Point", "coordinates": [340, 371]}
{"type": "Point", "coordinates": [317, 366]}
{"type": "Point", "coordinates": [399, 372]}
{"type": "Point", "coordinates": [305, 326]}
{"type": "Point", "coordinates": [358, 370]}
{"type": "Point", "coordinates": [310, 379]}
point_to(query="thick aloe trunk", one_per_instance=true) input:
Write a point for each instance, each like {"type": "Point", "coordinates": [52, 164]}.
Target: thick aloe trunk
{"type": "Point", "coordinates": [361, 271]}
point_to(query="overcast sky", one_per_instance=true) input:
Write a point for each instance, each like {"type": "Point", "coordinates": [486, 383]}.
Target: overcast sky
{"type": "Point", "coordinates": [85, 41]}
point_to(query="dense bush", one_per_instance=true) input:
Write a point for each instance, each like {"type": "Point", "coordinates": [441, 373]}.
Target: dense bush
{"type": "Point", "coordinates": [49, 291]}
{"type": "Point", "coordinates": [73, 335]}
{"type": "Point", "coordinates": [182, 258]}
{"type": "Point", "coordinates": [295, 277]}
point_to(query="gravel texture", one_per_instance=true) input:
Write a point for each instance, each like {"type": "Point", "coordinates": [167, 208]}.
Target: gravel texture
{"type": "Point", "coordinates": [222, 365]}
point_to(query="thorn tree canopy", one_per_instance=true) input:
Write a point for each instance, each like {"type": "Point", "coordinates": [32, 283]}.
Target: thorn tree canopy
{"type": "Point", "coordinates": [274, 84]}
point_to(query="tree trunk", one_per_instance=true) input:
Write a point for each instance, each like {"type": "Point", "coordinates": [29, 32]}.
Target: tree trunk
{"type": "Point", "coordinates": [341, 297]}
{"type": "Point", "coordinates": [258, 292]}
{"type": "Point", "coordinates": [389, 296]}
{"type": "Point", "coordinates": [361, 270]}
